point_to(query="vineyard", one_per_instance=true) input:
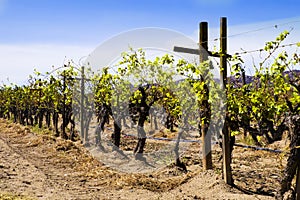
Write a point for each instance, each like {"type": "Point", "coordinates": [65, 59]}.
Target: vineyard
{"type": "Point", "coordinates": [150, 114]}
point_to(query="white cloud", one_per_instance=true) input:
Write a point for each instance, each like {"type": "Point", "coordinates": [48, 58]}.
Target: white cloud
{"type": "Point", "coordinates": [149, 39]}
{"type": "Point", "coordinates": [18, 61]}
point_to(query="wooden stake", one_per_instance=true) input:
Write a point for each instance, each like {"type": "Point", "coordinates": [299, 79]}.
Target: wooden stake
{"type": "Point", "coordinates": [84, 136]}
{"type": "Point", "coordinates": [206, 138]}
{"type": "Point", "coordinates": [63, 134]}
{"type": "Point", "coordinates": [223, 77]}
{"type": "Point", "coordinates": [203, 55]}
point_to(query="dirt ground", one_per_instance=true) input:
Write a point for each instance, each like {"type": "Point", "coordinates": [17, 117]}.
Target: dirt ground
{"type": "Point", "coordinates": [40, 166]}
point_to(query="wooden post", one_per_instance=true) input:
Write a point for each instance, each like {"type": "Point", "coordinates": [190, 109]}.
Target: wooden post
{"type": "Point", "coordinates": [40, 108]}
{"type": "Point", "coordinates": [64, 135]}
{"type": "Point", "coordinates": [223, 77]}
{"type": "Point", "coordinates": [298, 183]}
{"type": "Point", "coordinates": [203, 41]}
{"type": "Point", "coordinates": [83, 135]}
{"type": "Point", "coordinates": [206, 138]}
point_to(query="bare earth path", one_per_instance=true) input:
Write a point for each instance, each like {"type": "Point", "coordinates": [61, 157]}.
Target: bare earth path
{"type": "Point", "coordinates": [36, 166]}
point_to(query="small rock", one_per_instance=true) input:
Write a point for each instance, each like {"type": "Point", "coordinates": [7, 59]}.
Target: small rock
{"type": "Point", "coordinates": [289, 195]}
{"type": "Point", "coordinates": [27, 182]}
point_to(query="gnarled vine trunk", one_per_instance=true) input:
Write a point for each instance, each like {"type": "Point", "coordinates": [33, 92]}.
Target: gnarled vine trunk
{"type": "Point", "coordinates": [293, 157]}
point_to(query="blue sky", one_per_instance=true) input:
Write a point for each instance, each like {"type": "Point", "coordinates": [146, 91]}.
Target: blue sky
{"type": "Point", "coordinates": [41, 33]}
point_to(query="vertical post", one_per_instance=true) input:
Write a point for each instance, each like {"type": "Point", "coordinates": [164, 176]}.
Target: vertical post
{"type": "Point", "coordinates": [83, 136]}
{"type": "Point", "coordinates": [203, 41]}
{"type": "Point", "coordinates": [64, 107]}
{"type": "Point", "coordinates": [298, 183]}
{"type": "Point", "coordinates": [223, 77]}
{"type": "Point", "coordinates": [40, 107]}
{"type": "Point", "coordinates": [206, 138]}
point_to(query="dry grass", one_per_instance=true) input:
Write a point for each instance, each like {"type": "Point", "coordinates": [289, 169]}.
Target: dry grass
{"type": "Point", "coordinates": [8, 196]}
{"type": "Point", "coordinates": [69, 162]}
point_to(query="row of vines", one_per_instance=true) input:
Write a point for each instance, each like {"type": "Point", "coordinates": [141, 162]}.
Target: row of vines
{"type": "Point", "coordinates": [263, 108]}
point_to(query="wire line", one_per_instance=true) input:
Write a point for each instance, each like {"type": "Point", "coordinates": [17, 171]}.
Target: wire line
{"type": "Point", "coordinates": [259, 29]}
{"type": "Point", "coordinates": [261, 49]}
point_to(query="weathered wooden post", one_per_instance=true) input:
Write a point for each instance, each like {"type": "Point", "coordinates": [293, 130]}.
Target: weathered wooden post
{"type": "Point", "coordinates": [83, 135]}
{"type": "Point", "coordinates": [206, 138]}
{"type": "Point", "coordinates": [64, 123]}
{"type": "Point", "coordinates": [40, 121]}
{"type": "Point", "coordinates": [223, 77]}
{"type": "Point", "coordinates": [203, 41]}
{"type": "Point", "coordinates": [203, 53]}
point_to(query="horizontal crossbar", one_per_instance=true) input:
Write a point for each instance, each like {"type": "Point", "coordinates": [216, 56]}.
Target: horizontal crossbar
{"type": "Point", "coordinates": [196, 51]}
